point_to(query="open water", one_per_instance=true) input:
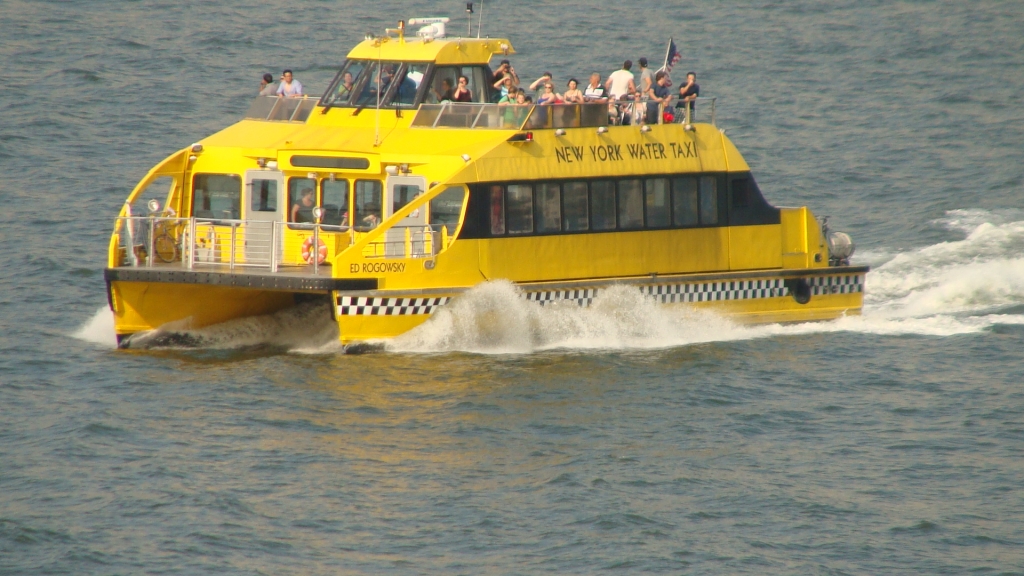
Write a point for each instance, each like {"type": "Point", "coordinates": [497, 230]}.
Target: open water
{"type": "Point", "coordinates": [500, 438]}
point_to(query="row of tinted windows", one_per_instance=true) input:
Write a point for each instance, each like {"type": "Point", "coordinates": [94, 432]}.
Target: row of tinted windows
{"type": "Point", "coordinates": [603, 205]}
{"type": "Point", "coordinates": [220, 196]}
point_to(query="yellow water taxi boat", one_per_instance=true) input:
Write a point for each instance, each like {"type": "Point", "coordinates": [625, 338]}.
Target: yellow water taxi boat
{"type": "Point", "coordinates": [384, 200]}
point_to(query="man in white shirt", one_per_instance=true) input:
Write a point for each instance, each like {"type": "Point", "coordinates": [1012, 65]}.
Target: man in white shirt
{"type": "Point", "coordinates": [620, 83]}
{"type": "Point", "coordinates": [289, 87]}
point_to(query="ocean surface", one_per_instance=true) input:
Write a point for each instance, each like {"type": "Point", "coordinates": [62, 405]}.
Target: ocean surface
{"type": "Point", "coordinates": [500, 438]}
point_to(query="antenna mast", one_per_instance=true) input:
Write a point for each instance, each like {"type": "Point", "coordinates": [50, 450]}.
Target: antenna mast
{"type": "Point", "coordinates": [480, 23]}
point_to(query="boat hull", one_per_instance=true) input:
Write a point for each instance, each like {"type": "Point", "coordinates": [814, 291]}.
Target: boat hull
{"type": "Point", "coordinates": [748, 297]}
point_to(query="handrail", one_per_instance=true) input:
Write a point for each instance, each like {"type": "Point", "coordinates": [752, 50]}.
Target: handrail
{"type": "Point", "coordinates": [486, 116]}
{"type": "Point", "coordinates": [148, 241]}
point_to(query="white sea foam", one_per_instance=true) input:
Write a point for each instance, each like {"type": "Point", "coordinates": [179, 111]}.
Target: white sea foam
{"type": "Point", "coordinates": [949, 288]}
{"type": "Point", "coordinates": [99, 329]}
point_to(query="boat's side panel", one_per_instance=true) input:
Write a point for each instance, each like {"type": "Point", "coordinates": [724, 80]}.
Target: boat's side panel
{"type": "Point", "coordinates": [140, 306]}
{"type": "Point", "coordinates": [546, 258]}
{"type": "Point", "coordinates": [384, 314]}
{"type": "Point", "coordinates": [755, 247]}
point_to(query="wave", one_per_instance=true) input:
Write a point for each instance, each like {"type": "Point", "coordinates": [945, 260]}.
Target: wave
{"type": "Point", "coordinates": [954, 287]}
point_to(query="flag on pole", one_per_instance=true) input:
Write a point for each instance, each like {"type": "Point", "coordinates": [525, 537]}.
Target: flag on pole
{"type": "Point", "coordinates": [672, 56]}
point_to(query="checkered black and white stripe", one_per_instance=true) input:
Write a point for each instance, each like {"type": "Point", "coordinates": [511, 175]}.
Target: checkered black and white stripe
{"type": "Point", "coordinates": [712, 291]}
{"type": "Point", "coordinates": [665, 293]}
{"type": "Point", "coordinates": [359, 306]}
{"type": "Point", "coordinates": [583, 297]}
{"type": "Point", "coordinates": [836, 285]}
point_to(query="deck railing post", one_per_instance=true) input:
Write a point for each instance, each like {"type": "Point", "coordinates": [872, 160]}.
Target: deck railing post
{"type": "Point", "coordinates": [191, 243]}
{"type": "Point", "coordinates": [231, 250]}
{"type": "Point", "coordinates": [273, 246]}
{"type": "Point", "coordinates": [149, 242]}
{"type": "Point", "coordinates": [316, 249]}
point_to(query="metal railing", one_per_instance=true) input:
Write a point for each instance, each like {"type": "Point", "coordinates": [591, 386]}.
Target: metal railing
{"type": "Point", "coordinates": [410, 241]}
{"type": "Point", "coordinates": [282, 109]}
{"type": "Point", "coordinates": [547, 116]}
{"type": "Point", "coordinates": [191, 243]}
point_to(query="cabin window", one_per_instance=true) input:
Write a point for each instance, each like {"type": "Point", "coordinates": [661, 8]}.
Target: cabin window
{"type": "Point", "coordinates": [335, 202]}
{"type": "Point", "coordinates": [574, 202]}
{"type": "Point", "coordinates": [602, 205]}
{"type": "Point", "coordinates": [631, 205]}
{"type": "Point", "coordinates": [657, 202]}
{"type": "Point", "coordinates": [378, 76]}
{"type": "Point", "coordinates": [264, 196]}
{"type": "Point", "coordinates": [217, 196]}
{"type": "Point", "coordinates": [352, 73]}
{"type": "Point", "coordinates": [519, 208]}
{"type": "Point", "coordinates": [404, 193]}
{"type": "Point", "coordinates": [740, 193]}
{"type": "Point", "coordinates": [301, 199]}
{"type": "Point", "coordinates": [549, 208]}
{"type": "Point", "coordinates": [497, 210]}
{"type": "Point", "coordinates": [405, 93]}
{"type": "Point", "coordinates": [367, 203]}
{"type": "Point", "coordinates": [446, 207]}
{"type": "Point", "coordinates": [446, 80]}
{"type": "Point", "coordinates": [708, 200]}
{"type": "Point", "coordinates": [684, 201]}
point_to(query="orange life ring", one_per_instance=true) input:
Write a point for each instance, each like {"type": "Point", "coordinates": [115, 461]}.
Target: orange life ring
{"type": "Point", "coordinates": [307, 251]}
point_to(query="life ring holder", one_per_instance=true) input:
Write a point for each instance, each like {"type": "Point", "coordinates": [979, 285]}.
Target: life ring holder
{"type": "Point", "coordinates": [308, 252]}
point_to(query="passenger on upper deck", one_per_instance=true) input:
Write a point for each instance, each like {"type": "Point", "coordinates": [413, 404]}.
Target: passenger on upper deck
{"type": "Point", "coordinates": [620, 84]}
{"type": "Point", "coordinates": [647, 79]}
{"type": "Point", "coordinates": [538, 84]}
{"type": "Point", "coordinates": [510, 98]}
{"type": "Point", "coordinates": [657, 95]}
{"type": "Point", "coordinates": [267, 87]}
{"type": "Point", "coordinates": [595, 92]}
{"type": "Point", "coordinates": [573, 95]}
{"type": "Point", "coordinates": [289, 86]}
{"type": "Point", "coordinates": [549, 96]}
{"type": "Point", "coordinates": [462, 93]}
{"type": "Point", "coordinates": [505, 84]}
{"type": "Point", "coordinates": [688, 93]}
{"type": "Point", "coordinates": [505, 69]}
{"type": "Point", "coordinates": [302, 211]}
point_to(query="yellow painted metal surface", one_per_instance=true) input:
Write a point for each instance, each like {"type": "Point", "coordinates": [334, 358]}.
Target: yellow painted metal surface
{"type": "Point", "coordinates": [755, 247]}
{"type": "Point", "coordinates": [140, 306]}
{"type": "Point", "coordinates": [447, 51]}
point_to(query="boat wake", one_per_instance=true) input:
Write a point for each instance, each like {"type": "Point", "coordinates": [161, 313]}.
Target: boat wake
{"type": "Point", "coordinates": [954, 287]}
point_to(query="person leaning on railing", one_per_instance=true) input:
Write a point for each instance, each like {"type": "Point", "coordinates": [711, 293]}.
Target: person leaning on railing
{"type": "Point", "coordinates": [267, 87]}
{"type": "Point", "coordinates": [657, 95]}
{"type": "Point", "coordinates": [688, 93]}
{"type": "Point", "coordinates": [289, 86]}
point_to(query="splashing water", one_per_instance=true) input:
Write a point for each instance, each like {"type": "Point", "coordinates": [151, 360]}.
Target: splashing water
{"type": "Point", "coordinates": [949, 288]}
